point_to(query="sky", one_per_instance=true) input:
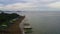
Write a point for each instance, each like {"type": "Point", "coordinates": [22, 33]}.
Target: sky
{"type": "Point", "coordinates": [30, 5]}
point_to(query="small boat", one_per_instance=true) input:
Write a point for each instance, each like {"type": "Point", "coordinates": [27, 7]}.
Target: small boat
{"type": "Point", "coordinates": [27, 28]}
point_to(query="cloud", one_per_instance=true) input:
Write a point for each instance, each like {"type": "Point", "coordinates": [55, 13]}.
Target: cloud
{"type": "Point", "coordinates": [28, 5]}
{"type": "Point", "coordinates": [54, 5]}
{"type": "Point", "coordinates": [17, 6]}
{"type": "Point", "coordinates": [47, 1]}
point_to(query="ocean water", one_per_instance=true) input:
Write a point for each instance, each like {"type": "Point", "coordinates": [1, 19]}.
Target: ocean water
{"type": "Point", "coordinates": [45, 22]}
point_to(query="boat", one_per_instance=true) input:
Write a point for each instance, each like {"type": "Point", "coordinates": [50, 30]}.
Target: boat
{"type": "Point", "coordinates": [27, 28]}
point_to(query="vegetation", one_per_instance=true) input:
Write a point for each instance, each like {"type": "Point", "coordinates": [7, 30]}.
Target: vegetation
{"type": "Point", "coordinates": [5, 18]}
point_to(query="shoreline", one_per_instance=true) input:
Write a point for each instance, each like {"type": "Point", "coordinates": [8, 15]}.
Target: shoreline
{"type": "Point", "coordinates": [22, 26]}
{"type": "Point", "coordinates": [14, 28]}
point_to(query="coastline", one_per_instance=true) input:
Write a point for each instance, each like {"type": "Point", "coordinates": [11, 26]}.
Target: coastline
{"type": "Point", "coordinates": [14, 28]}
{"type": "Point", "coordinates": [22, 26]}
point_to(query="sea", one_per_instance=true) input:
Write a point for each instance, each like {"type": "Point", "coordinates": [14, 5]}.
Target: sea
{"type": "Point", "coordinates": [43, 22]}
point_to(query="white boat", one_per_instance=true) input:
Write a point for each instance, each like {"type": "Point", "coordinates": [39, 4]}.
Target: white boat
{"type": "Point", "coordinates": [27, 28]}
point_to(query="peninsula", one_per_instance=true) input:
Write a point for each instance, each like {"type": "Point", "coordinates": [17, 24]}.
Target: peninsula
{"type": "Point", "coordinates": [9, 23]}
